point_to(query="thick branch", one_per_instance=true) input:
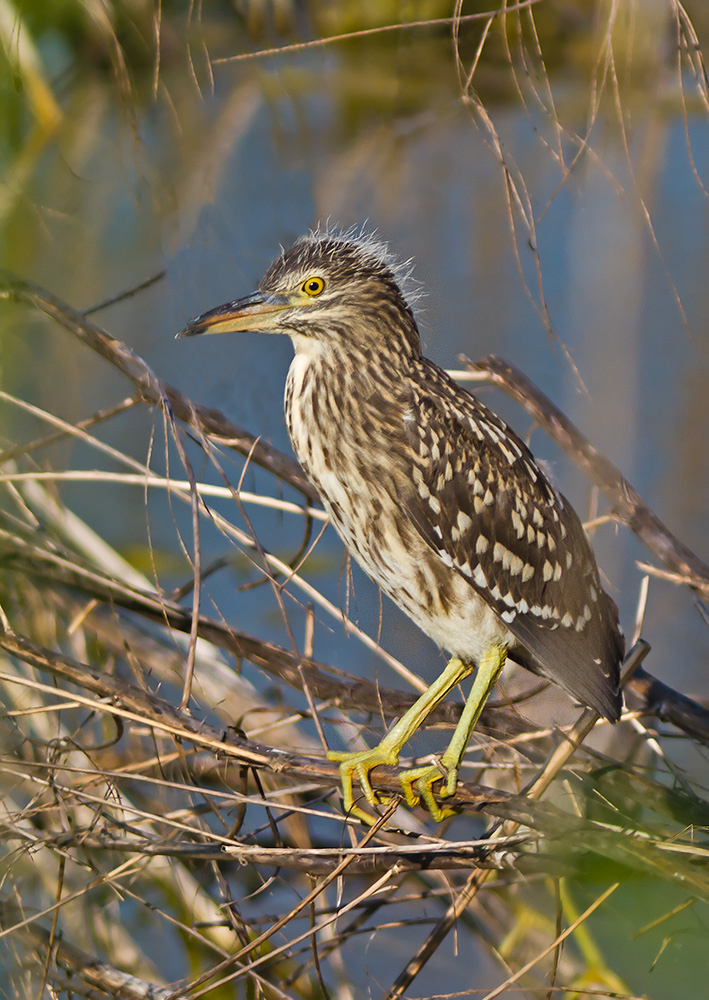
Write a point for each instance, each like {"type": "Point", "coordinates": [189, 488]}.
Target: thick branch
{"type": "Point", "coordinates": [441, 856]}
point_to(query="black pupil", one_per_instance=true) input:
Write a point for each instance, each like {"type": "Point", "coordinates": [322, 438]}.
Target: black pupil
{"type": "Point", "coordinates": [314, 286]}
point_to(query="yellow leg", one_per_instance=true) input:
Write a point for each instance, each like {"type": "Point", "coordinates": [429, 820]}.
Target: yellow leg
{"type": "Point", "coordinates": [418, 782]}
{"type": "Point", "coordinates": [387, 752]}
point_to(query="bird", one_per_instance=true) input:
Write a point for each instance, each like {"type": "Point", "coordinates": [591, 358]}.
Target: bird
{"type": "Point", "coordinates": [434, 495]}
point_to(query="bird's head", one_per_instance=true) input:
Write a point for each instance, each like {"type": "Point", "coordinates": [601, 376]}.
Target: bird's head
{"type": "Point", "coordinates": [339, 289]}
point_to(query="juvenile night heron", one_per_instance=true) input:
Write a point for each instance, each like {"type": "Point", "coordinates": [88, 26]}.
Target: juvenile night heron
{"type": "Point", "coordinates": [438, 500]}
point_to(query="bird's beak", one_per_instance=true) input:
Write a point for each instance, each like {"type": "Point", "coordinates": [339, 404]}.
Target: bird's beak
{"type": "Point", "coordinates": [253, 312]}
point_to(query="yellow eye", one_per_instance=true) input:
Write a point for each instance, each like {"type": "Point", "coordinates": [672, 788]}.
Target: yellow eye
{"type": "Point", "coordinates": [313, 286]}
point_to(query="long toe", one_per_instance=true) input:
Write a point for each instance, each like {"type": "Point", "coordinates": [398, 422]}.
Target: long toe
{"type": "Point", "coordinates": [418, 785]}
{"type": "Point", "coordinates": [360, 763]}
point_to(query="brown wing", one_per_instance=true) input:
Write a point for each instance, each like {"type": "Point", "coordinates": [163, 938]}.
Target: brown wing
{"type": "Point", "coordinates": [481, 501]}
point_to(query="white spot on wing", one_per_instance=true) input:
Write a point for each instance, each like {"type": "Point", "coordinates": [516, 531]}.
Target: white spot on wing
{"type": "Point", "coordinates": [516, 565]}
{"type": "Point", "coordinates": [464, 522]}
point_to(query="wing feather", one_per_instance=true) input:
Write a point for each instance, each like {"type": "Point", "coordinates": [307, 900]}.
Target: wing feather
{"type": "Point", "coordinates": [483, 504]}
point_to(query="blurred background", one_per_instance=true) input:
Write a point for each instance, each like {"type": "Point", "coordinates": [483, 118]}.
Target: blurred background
{"type": "Point", "coordinates": [546, 171]}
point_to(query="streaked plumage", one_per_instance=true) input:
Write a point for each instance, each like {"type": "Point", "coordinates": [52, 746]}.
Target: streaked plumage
{"type": "Point", "coordinates": [436, 497]}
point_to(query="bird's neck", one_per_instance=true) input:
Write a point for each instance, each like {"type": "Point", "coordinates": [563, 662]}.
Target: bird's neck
{"type": "Point", "coordinates": [335, 401]}
{"type": "Point", "coordinates": [357, 368]}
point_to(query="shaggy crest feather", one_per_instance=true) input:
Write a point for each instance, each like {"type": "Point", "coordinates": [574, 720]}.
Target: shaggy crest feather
{"type": "Point", "coordinates": [371, 246]}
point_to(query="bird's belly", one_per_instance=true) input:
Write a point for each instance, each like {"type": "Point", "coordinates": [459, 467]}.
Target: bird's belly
{"type": "Point", "coordinates": [436, 597]}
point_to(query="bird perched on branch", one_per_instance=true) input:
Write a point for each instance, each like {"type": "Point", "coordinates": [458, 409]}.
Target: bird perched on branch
{"type": "Point", "coordinates": [438, 500]}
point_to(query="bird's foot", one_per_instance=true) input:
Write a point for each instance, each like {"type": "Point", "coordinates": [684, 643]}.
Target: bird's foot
{"type": "Point", "coordinates": [418, 783]}
{"type": "Point", "coordinates": [358, 765]}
